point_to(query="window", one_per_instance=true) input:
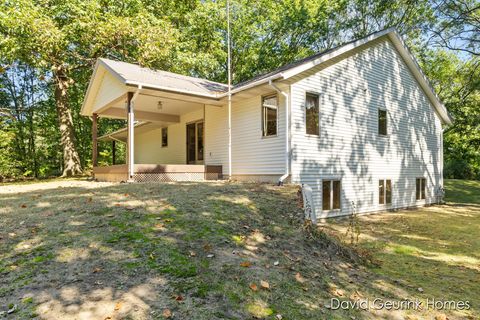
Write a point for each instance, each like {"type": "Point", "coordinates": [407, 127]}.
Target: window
{"type": "Point", "coordinates": [382, 122]}
{"type": "Point", "coordinates": [164, 137]}
{"type": "Point", "coordinates": [200, 141]}
{"type": "Point", "coordinates": [311, 114]}
{"type": "Point", "coordinates": [420, 188]}
{"type": "Point", "coordinates": [385, 191]}
{"type": "Point", "coordinates": [331, 194]}
{"type": "Point", "coordinates": [269, 115]}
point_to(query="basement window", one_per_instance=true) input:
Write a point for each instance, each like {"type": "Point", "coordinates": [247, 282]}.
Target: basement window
{"type": "Point", "coordinates": [382, 122]}
{"type": "Point", "coordinates": [385, 191]}
{"type": "Point", "coordinates": [164, 137]}
{"type": "Point", "coordinates": [269, 115]}
{"type": "Point", "coordinates": [311, 114]}
{"type": "Point", "coordinates": [331, 190]}
{"type": "Point", "coordinates": [420, 188]}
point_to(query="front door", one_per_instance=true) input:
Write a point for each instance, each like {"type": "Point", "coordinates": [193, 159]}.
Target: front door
{"type": "Point", "coordinates": [195, 143]}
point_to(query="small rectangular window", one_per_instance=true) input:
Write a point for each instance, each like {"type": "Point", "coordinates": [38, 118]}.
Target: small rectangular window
{"type": "Point", "coordinates": [269, 115]}
{"type": "Point", "coordinates": [331, 192]}
{"type": "Point", "coordinates": [388, 191]}
{"type": "Point", "coordinates": [164, 137]}
{"type": "Point", "coordinates": [200, 141]}
{"type": "Point", "coordinates": [385, 191]}
{"type": "Point", "coordinates": [312, 114]}
{"type": "Point", "coordinates": [381, 191]}
{"type": "Point", "coordinates": [420, 188]}
{"type": "Point", "coordinates": [382, 122]}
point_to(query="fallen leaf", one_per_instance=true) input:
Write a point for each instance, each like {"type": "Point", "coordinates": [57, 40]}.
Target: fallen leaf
{"type": "Point", "coordinates": [192, 254]}
{"type": "Point", "coordinates": [339, 293]}
{"type": "Point", "coordinates": [129, 208]}
{"type": "Point", "coordinates": [23, 206]}
{"type": "Point", "coordinates": [159, 227]}
{"type": "Point", "coordinates": [126, 194]}
{"type": "Point", "coordinates": [167, 313]}
{"type": "Point", "coordinates": [299, 277]}
{"type": "Point", "coordinates": [97, 269]}
{"type": "Point", "coordinates": [253, 286]}
{"type": "Point", "coordinates": [207, 247]}
{"type": "Point", "coordinates": [90, 199]}
{"type": "Point", "coordinates": [246, 264]}
{"type": "Point", "coordinates": [441, 317]}
{"type": "Point", "coordinates": [264, 284]}
{"type": "Point", "coordinates": [118, 305]}
{"type": "Point", "coordinates": [179, 298]}
{"type": "Point", "coordinates": [420, 289]}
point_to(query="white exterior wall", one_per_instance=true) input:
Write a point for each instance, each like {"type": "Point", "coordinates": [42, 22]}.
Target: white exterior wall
{"type": "Point", "coordinates": [349, 147]}
{"type": "Point", "coordinates": [148, 145]}
{"type": "Point", "coordinates": [110, 90]}
{"type": "Point", "coordinates": [253, 154]}
{"type": "Point", "coordinates": [216, 136]}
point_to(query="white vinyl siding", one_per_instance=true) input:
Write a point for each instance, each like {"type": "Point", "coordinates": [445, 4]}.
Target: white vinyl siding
{"type": "Point", "coordinates": [350, 94]}
{"type": "Point", "coordinates": [109, 90]}
{"type": "Point", "coordinates": [216, 136]}
{"type": "Point", "coordinates": [251, 152]}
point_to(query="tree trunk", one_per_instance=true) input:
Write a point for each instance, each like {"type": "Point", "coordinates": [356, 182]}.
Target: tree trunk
{"type": "Point", "coordinates": [71, 159]}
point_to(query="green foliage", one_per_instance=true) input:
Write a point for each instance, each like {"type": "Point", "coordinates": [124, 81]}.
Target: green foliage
{"type": "Point", "coordinates": [457, 82]}
{"type": "Point", "coordinates": [46, 40]}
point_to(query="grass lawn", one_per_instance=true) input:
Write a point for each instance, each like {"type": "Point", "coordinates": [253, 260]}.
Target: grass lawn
{"type": "Point", "coordinates": [72, 249]}
{"type": "Point", "coordinates": [435, 248]}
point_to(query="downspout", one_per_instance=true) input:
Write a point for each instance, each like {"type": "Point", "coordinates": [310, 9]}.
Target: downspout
{"type": "Point", "coordinates": [287, 132]}
{"type": "Point", "coordinates": [131, 133]}
{"type": "Point", "coordinates": [229, 94]}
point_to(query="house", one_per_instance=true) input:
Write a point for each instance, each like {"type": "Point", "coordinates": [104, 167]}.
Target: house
{"type": "Point", "coordinates": [360, 124]}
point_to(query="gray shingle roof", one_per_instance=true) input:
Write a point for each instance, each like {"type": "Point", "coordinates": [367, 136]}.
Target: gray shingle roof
{"type": "Point", "coordinates": [135, 73]}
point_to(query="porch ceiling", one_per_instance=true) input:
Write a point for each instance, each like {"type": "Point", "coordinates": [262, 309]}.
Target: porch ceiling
{"type": "Point", "coordinates": [151, 107]}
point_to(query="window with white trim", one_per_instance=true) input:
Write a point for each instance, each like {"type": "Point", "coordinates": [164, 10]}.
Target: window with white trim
{"type": "Point", "coordinates": [420, 188]}
{"type": "Point", "coordinates": [331, 191]}
{"type": "Point", "coordinates": [382, 122]}
{"type": "Point", "coordinates": [385, 191]}
{"type": "Point", "coordinates": [269, 115]}
{"type": "Point", "coordinates": [312, 114]}
{"type": "Point", "coordinates": [164, 137]}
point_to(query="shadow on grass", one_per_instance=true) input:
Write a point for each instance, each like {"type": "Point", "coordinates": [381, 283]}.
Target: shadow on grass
{"type": "Point", "coordinates": [135, 250]}
{"type": "Point", "coordinates": [434, 248]}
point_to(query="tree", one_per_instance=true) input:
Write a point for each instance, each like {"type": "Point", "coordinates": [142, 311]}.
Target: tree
{"type": "Point", "coordinates": [458, 26]}
{"type": "Point", "coordinates": [63, 38]}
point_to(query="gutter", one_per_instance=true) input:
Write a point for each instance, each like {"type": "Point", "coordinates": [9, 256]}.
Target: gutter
{"type": "Point", "coordinates": [287, 132]}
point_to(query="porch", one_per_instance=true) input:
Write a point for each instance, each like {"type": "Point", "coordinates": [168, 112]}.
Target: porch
{"type": "Point", "coordinates": [165, 134]}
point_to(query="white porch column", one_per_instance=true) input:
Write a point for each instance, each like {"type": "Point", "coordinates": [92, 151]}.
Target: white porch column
{"type": "Point", "coordinates": [130, 138]}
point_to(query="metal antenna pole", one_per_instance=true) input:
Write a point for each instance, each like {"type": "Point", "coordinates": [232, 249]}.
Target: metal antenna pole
{"type": "Point", "coordinates": [229, 94]}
